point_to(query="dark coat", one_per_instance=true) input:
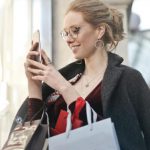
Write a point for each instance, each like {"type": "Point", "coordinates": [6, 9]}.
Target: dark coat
{"type": "Point", "coordinates": [125, 98]}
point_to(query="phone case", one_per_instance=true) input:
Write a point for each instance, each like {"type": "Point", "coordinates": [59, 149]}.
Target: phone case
{"type": "Point", "coordinates": [36, 39]}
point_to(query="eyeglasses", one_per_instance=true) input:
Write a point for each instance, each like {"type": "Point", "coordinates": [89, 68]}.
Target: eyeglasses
{"type": "Point", "coordinates": [73, 33]}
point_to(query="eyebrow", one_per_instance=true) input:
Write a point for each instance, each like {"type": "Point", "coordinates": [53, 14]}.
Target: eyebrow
{"type": "Point", "coordinates": [71, 27]}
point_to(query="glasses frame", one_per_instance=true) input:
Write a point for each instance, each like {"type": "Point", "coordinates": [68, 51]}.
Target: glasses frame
{"type": "Point", "coordinates": [73, 33]}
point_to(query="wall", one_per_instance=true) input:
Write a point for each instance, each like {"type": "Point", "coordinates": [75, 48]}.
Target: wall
{"type": "Point", "coordinates": [61, 53]}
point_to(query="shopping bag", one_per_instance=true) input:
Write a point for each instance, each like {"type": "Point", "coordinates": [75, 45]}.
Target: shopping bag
{"type": "Point", "coordinates": [99, 135]}
{"type": "Point", "coordinates": [30, 135]}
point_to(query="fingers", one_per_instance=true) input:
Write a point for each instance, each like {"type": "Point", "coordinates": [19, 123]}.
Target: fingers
{"type": "Point", "coordinates": [36, 64]}
{"type": "Point", "coordinates": [32, 54]}
{"type": "Point", "coordinates": [36, 71]}
{"type": "Point", "coordinates": [30, 62]}
{"type": "Point", "coordinates": [38, 77]}
{"type": "Point", "coordinates": [46, 59]}
{"type": "Point", "coordinates": [34, 47]}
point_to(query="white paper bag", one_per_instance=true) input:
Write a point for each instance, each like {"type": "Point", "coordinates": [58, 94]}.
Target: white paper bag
{"type": "Point", "coordinates": [99, 135]}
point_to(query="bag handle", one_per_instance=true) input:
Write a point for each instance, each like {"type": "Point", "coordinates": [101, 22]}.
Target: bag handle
{"type": "Point", "coordinates": [44, 108]}
{"type": "Point", "coordinates": [21, 121]}
{"type": "Point", "coordinates": [89, 118]}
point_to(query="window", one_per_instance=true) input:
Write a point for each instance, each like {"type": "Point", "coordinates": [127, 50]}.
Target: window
{"type": "Point", "coordinates": [18, 20]}
{"type": "Point", "coordinates": [139, 38]}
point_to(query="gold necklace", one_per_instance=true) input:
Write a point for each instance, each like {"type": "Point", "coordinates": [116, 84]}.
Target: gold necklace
{"type": "Point", "coordinates": [88, 82]}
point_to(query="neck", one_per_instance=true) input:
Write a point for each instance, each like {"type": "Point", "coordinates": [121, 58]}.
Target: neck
{"type": "Point", "coordinates": [96, 63]}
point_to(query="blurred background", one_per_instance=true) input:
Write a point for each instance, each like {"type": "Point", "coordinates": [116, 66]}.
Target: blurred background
{"type": "Point", "coordinates": [20, 18]}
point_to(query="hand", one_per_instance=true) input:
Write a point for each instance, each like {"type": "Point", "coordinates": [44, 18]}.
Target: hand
{"type": "Point", "coordinates": [46, 72]}
{"type": "Point", "coordinates": [34, 87]}
{"type": "Point", "coordinates": [31, 55]}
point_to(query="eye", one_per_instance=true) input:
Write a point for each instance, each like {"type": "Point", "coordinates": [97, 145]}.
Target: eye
{"type": "Point", "coordinates": [75, 30]}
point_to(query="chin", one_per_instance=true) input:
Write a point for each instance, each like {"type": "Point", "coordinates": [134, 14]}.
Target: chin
{"type": "Point", "coordinates": [78, 57]}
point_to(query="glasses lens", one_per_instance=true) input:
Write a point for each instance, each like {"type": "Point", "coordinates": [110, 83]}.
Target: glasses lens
{"type": "Point", "coordinates": [64, 34]}
{"type": "Point", "coordinates": [73, 33]}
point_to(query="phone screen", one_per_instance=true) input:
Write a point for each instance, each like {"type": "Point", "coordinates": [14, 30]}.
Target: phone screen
{"type": "Point", "coordinates": [36, 39]}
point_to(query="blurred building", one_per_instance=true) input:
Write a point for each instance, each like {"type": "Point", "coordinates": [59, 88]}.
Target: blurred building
{"type": "Point", "coordinates": [139, 39]}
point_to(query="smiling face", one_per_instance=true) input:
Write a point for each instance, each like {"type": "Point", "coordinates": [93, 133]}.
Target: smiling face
{"type": "Point", "coordinates": [80, 35]}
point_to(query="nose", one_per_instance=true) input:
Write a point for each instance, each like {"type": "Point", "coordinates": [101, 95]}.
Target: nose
{"type": "Point", "coordinates": [69, 39]}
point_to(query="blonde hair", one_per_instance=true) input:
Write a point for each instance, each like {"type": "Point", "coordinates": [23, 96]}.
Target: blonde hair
{"type": "Point", "coordinates": [97, 13]}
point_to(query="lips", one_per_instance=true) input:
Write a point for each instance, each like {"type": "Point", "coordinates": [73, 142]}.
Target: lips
{"type": "Point", "coordinates": [74, 47]}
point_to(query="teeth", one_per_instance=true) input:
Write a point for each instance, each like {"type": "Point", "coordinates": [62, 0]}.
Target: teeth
{"type": "Point", "coordinates": [74, 47]}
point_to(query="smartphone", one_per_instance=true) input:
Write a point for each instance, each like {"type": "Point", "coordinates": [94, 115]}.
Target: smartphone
{"type": "Point", "coordinates": [36, 39]}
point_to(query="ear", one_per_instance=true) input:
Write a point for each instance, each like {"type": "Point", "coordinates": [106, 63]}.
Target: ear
{"type": "Point", "coordinates": [101, 31]}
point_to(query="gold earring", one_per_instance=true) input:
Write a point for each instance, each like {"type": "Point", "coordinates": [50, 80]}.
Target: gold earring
{"type": "Point", "coordinates": [99, 43]}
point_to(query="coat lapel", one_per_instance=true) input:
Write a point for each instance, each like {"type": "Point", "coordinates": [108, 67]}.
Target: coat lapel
{"type": "Point", "coordinates": [110, 80]}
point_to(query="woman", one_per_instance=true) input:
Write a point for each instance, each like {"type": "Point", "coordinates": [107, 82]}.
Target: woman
{"type": "Point", "coordinates": [91, 30]}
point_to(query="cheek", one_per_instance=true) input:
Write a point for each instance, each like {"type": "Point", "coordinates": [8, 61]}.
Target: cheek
{"type": "Point", "coordinates": [88, 43]}
{"type": "Point", "coordinates": [88, 39]}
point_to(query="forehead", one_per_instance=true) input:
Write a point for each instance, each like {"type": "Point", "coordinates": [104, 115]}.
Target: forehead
{"type": "Point", "coordinates": [72, 19]}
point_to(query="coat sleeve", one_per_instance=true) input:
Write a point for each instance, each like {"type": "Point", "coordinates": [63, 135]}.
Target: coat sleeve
{"type": "Point", "coordinates": [35, 108]}
{"type": "Point", "coordinates": [140, 94]}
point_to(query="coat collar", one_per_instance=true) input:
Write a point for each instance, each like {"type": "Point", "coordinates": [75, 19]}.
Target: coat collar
{"type": "Point", "coordinates": [110, 80]}
{"type": "Point", "coordinates": [111, 77]}
{"type": "Point", "coordinates": [79, 65]}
